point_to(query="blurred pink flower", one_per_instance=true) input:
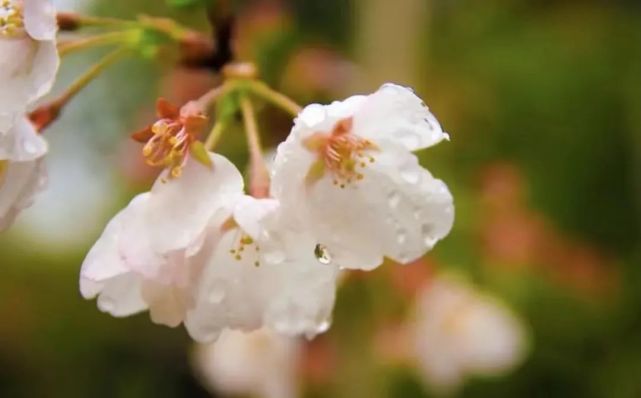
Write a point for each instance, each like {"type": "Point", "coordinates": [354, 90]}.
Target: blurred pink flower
{"type": "Point", "coordinates": [261, 364]}
{"type": "Point", "coordinates": [459, 332]}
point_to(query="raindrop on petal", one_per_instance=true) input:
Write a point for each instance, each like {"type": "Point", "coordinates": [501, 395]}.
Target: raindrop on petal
{"type": "Point", "coordinates": [322, 254]}
{"type": "Point", "coordinates": [216, 292]}
{"type": "Point", "coordinates": [411, 176]}
{"type": "Point", "coordinates": [393, 199]}
{"type": "Point", "coordinates": [274, 256]}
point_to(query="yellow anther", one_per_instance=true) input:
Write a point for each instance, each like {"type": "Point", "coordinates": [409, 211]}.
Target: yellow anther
{"type": "Point", "coordinates": [341, 153]}
{"type": "Point", "coordinates": [11, 19]}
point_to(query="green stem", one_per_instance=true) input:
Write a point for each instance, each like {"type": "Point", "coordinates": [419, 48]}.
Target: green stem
{"type": "Point", "coordinates": [215, 134]}
{"type": "Point", "coordinates": [207, 99]}
{"type": "Point", "coordinates": [93, 41]}
{"type": "Point", "coordinates": [90, 75]}
{"type": "Point", "coordinates": [259, 175]}
{"type": "Point", "coordinates": [280, 100]}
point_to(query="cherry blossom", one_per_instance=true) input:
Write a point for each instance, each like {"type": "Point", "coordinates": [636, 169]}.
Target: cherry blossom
{"type": "Point", "coordinates": [347, 170]}
{"type": "Point", "coordinates": [261, 363]}
{"type": "Point", "coordinates": [195, 250]}
{"type": "Point", "coordinates": [459, 332]}
{"type": "Point", "coordinates": [149, 255]}
{"type": "Point", "coordinates": [168, 140]}
{"type": "Point", "coordinates": [28, 56]}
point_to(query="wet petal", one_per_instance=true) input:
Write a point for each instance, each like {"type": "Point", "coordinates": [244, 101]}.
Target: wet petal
{"type": "Point", "coordinates": [40, 19]}
{"type": "Point", "coordinates": [395, 113]}
{"type": "Point", "coordinates": [179, 209]}
{"type": "Point", "coordinates": [19, 182]}
{"type": "Point", "coordinates": [22, 142]}
{"type": "Point", "coordinates": [27, 73]}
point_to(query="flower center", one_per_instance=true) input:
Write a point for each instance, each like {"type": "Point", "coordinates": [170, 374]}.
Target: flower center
{"type": "Point", "coordinates": [340, 152]}
{"type": "Point", "coordinates": [168, 147]}
{"type": "Point", "coordinates": [11, 19]}
{"type": "Point", "coordinates": [242, 243]}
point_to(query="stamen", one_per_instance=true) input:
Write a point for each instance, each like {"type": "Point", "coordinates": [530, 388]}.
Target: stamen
{"type": "Point", "coordinates": [11, 19]}
{"type": "Point", "coordinates": [241, 242]}
{"type": "Point", "coordinates": [341, 152]}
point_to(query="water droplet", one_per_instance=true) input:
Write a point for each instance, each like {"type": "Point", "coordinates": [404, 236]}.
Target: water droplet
{"type": "Point", "coordinates": [216, 292]}
{"type": "Point", "coordinates": [401, 237]}
{"type": "Point", "coordinates": [428, 238]}
{"type": "Point", "coordinates": [322, 254]}
{"type": "Point", "coordinates": [411, 176]}
{"type": "Point", "coordinates": [323, 326]}
{"type": "Point", "coordinates": [393, 199]}
{"type": "Point", "coordinates": [274, 256]}
{"type": "Point", "coordinates": [29, 147]}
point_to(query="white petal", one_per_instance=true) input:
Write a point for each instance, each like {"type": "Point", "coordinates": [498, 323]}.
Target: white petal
{"type": "Point", "coordinates": [103, 262]}
{"type": "Point", "coordinates": [282, 285]}
{"type": "Point", "coordinates": [250, 212]}
{"type": "Point", "coordinates": [134, 245]}
{"type": "Point", "coordinates": [120, 296]}
{"type": "Point", "coordinates": [44, 70]}
{"type": "Point", "coordinates": [19, 183]}
{"type": "Point", "coordinates": [7, 120]}
{"type": "Point", "coordinates": [22, 142]}
{"type": "Point", "coordinates": [40, 19]}
{"type": "Point", "coordinates": [322, 118]}
{"type": "Point", "coordinates": [396, 113]}
{"type": "Point", "coordinates": [106, 275]}
{"type": "Point", "coordinates": [167, 303]}
{"type": "Point", "coordinates": [27, 71]}
{"type": "Point", "coordinates": [228, 295]}
{"type": "Point", "coordinates": [179, 209]}
{"type": "Point", "coordinates": [398, 210]}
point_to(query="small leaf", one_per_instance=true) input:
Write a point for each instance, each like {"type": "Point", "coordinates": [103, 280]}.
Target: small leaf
{"type": "Point", "coordinates": [200, 154]}
{"type": "Point", "coordinates": [143, 135]}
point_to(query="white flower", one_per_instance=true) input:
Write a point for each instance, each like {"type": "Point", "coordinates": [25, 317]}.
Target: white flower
{"type": "Point", "coordinates": [28, 56]}
{"type": "Point", "coordinates": [149, 254]}
{"type": "Point", "coordinates": [22, 170]}
{"type": "Point", "coordinates": [263, 273]}
{"type": "Point", "coordinates": [195, 250]}
{"type": "Point", "coordinates": [348, 171]}
{"type": "Point", "coordinates": [460, 333]}
{"type": "Point", "coordinates": [260, 363]}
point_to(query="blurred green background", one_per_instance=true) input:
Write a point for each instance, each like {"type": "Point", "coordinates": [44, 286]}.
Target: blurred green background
{"type": "Point", "coordinates": [542, 100]}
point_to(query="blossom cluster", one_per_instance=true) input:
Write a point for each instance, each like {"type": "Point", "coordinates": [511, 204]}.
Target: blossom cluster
{"type": "Point", "coordinates": [28, 67]}
{"type": "Point", "coordinates": [346, 192]}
